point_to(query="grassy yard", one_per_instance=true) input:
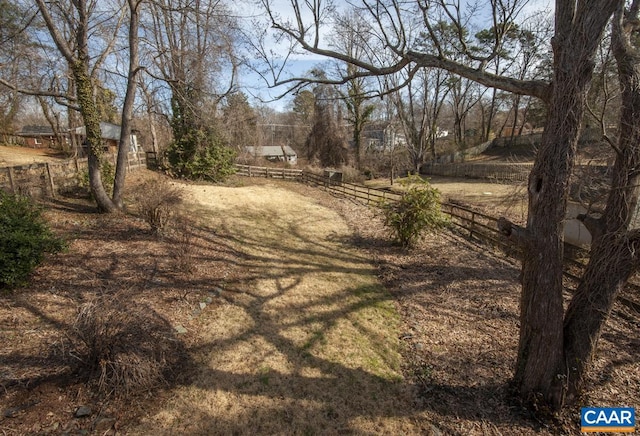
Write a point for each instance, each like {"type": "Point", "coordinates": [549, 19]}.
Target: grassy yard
{"type": "Point", "coordinates": [293, 314]}
{"type": "Point", "coordinates": [307, 341]}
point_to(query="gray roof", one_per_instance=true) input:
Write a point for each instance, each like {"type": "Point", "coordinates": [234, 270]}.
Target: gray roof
{"type": "Point", "coordinates": [270, 150]}
{"type": "Point", "coordinates": [109, 131]}
{"type": "Point", "coordinates": [36, 131]}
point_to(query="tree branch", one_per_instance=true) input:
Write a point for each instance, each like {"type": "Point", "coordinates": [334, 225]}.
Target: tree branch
{"type": "Point", "coordinates": [595, 226]}
{"type": "Point", "coordinates": [58, 39]}
{"type": "Point", "coordinates": [36, 92]}
{"type": "Point", "coordinates": [514, 233]}
{"type": "Point", "coordinates": [534, 88]}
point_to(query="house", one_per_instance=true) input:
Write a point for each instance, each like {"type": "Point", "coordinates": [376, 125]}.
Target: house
{"type": "Point", "coordinates": [110, 138]}
{"type": "Point", "coordinates": [382, 137]}
{"type": "Point", "coordinates": [274, 153]}
{"type": "Point", "coordinates": [41, 137]}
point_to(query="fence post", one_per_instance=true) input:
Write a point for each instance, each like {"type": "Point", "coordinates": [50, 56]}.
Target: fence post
{"type": "Point", "coordinates": [11, 184]}
{"type": "Point", "coordinates": [53, 188]}
{"type": "Point", "coordinates": [473, 221]}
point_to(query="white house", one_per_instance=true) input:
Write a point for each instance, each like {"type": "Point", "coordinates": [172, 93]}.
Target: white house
{"type": "Point", "coordinates": [274, 153]}
{"type": "Point", "coordinates": [110, 137]}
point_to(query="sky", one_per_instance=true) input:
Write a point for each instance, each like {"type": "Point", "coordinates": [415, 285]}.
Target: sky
{"type": "Point", "coordinates": [299, 64]}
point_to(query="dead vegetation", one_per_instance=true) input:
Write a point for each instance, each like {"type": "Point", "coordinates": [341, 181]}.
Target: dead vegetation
{"type": "Point", "coordinates": [284, 326]}
{"type": "Point", "coordinates": [127, 349]}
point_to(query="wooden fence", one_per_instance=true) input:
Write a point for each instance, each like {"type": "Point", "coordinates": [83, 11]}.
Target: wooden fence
{"type": "Point", "coordinates": [515, 172]}
{"type": "Point", "coordinates": [276, 173]}
{"type": "Point", "coordinates": [358, 192]}
{"type": "Point", "coordinates": [472, 223]}
{"type": "Point", "coordinates": [41, 180]}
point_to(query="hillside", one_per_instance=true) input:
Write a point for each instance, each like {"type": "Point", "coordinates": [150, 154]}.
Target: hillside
{"type": "Point", "coordinates": [290, 312]}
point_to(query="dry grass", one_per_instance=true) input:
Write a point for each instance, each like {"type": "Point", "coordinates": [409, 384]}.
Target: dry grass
{"type": "Point", "coordinates": [127, 349]}
{"type": "Point", "coordinates": [15, 155]}
{"type": "Point", "coordinates": [494, 198]}
{"type": "Point", "coordinates": [307, 341]}
{"type": "Point", "coordinates": [289, 328]}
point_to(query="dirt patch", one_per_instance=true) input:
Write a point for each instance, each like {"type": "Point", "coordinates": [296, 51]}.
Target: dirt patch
{"type": "Point", "coordinates": [13, 156]}
{"type": "Point", "coordinates": [286, 325]}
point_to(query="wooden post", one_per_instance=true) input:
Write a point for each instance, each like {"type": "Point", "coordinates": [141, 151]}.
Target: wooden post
{"type": "Point", "coordinates": [473, 221]}
{"type": "Point", "coordinates": [51, 185]}
{"type": "Point", "coordinates": [11, 184]}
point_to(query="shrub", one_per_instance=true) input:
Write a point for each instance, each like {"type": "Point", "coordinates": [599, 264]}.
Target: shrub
{"type": "Point", "coordinates": [156, 200]}
{"type": "Point", "coordinates": [418, 210]}
{"type": "Point", "coordinates": [125, 348]}
{"type": "Point", "coordinates": [201, 155]}
{"type": "Point", "coordinates": [184, 249]}
{"type": "Point", "coordinates": [24, 239]}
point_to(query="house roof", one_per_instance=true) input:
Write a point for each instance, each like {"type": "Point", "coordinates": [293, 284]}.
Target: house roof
{"type": "Point", "coordinates": [271, 150]}
{"type": "Point", "coordinates": [109, 131]}
{"type": "Point", "coordinates": [36, 131]}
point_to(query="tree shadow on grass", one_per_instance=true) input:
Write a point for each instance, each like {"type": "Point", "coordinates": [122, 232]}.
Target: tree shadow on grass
{"type": "Point", "coordinates": [301, 360]}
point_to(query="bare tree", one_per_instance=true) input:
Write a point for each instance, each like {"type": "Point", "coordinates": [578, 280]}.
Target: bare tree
{"type": "Point", "coordinates": [16, 57]}
{"type": "Point", "coordinates": [351, 36]}
{"type": "Point", "coordinates": [124, 142]}
{"type": "Point", "coordinates": [616, 236]}
{"type": "Point", "coordinates": [79, 60]}
{"type": "Point", "coordinates": [326, 141]}
{"type": "Point", "coordinates": [554, 348]}
{"type": "Point", "coordinates": [418, 110]}
{"type": "Point", "coordinates": [193, 52]}
{"type": "Point", "coordinates": [240, 120]}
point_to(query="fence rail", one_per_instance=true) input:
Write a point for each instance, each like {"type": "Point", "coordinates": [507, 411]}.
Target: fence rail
{"type": "Point", "coordinates": [516, 172]}
{"type": "Point", "coordinates": [50, 178]}
{"type": "Point", "coordinates": [276, 173]}
{"type": "Point", "coordinates": [358, 192]}
{"type": "Point", "coordinates": [473, 223]}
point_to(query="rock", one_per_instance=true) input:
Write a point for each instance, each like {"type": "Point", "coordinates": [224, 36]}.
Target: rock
{"type": "Point", "coordinates": [102, 425]}
{"type": "Point", "coordinates": [203, 306]}
{"type": "Point", "coordinates": [208, 300]}
{"type": "Point", "coordinates": [419, 346]}
{"type": "Point", "coordinates": [216, 291]}
{"type": "Point", "coordinates": [11, 412]}
{"type": "Point", "coordinates": [82, 411]}
{"type": "Point", "coordinates": [180, 329]}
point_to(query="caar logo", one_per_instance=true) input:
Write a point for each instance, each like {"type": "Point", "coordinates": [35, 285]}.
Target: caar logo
{"type": "Point", "coordinates": [608, 419]}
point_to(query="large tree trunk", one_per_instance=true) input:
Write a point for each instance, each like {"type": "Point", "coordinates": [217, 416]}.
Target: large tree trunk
{"type": "Point", "coordinates": [540, 368]}
{"type": "Point", "coordinates": [91, 119]}
{"type": "Point", "coordinates": [127, 110]}
{"type": "Point", "coordinates": [613, 257]}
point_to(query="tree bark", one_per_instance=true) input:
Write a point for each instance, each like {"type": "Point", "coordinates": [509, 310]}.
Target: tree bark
{"type": "Point", "coordinates": [615, 243]}
{"type": "Point", "coordinates": [540, 366]}
{"type": "Point", "coordinates": [89, 113]}
{"type": "Point", "coordinates": [127, 110]}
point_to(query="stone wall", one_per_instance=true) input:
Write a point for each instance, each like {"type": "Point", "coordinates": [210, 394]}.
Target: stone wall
{"type": "Point", "coordinates": [49, 179]}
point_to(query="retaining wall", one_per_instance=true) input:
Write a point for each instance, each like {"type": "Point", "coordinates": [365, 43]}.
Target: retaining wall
{"type": "Point", "coordinates": [49, 179]}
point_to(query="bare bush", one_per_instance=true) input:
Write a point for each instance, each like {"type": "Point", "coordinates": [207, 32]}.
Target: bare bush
{"type": "Point", "coordinates": [125, 348]}
{"type": "Point", "coordinates": [157, 200]}
{"type": "Point", "coordinates": [184, 248]}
